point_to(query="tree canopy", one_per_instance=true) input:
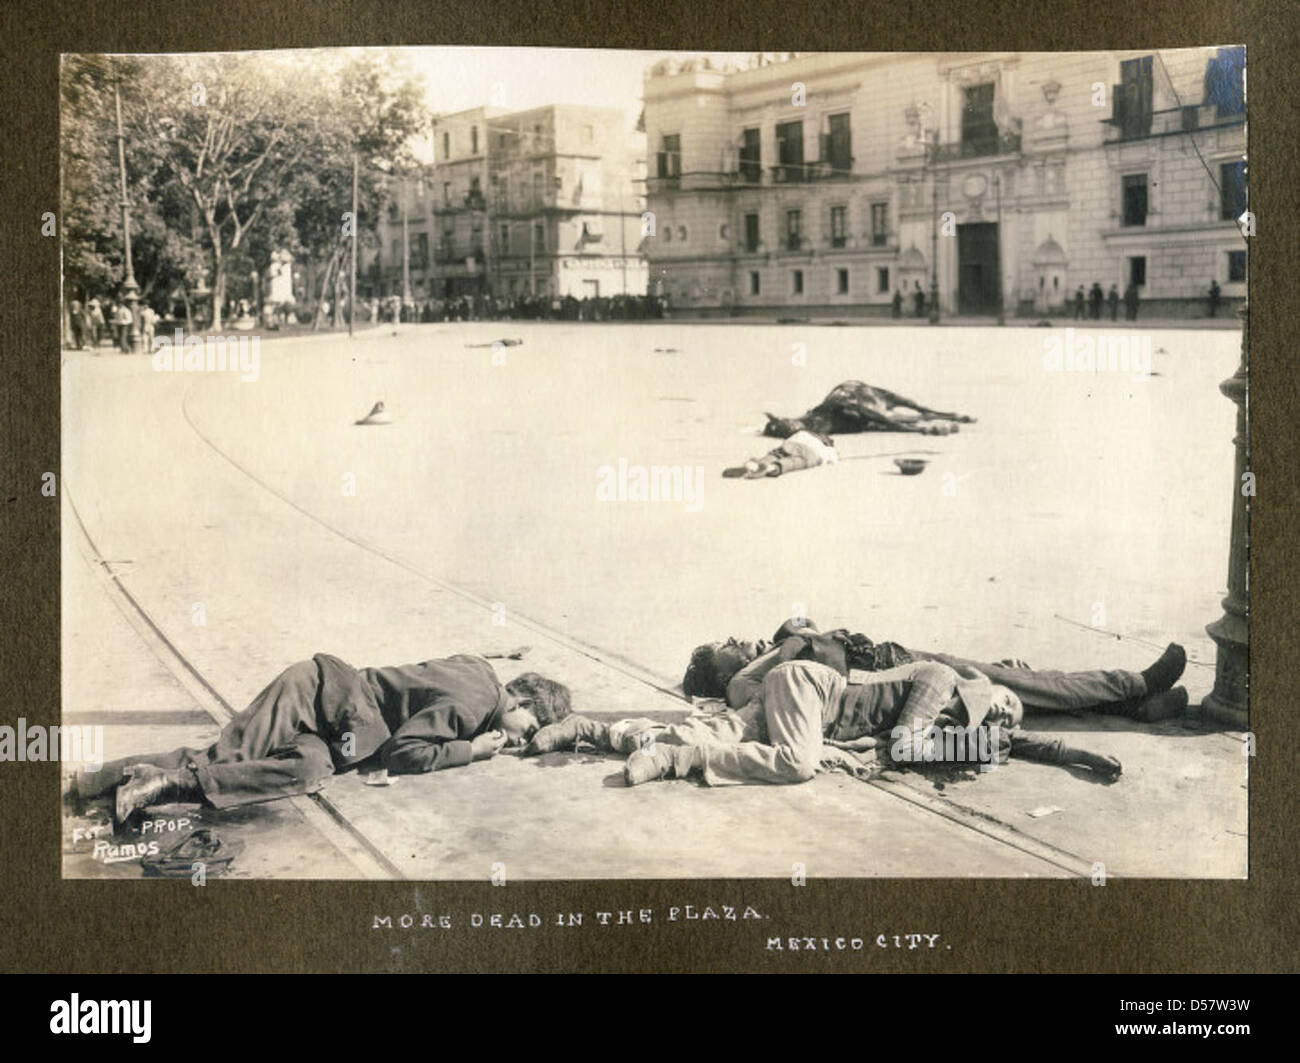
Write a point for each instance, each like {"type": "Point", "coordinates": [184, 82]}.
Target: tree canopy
{"type": "Point", "coordinates": [228, 157]}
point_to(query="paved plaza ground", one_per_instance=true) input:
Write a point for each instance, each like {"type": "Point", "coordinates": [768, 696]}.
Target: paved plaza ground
{"type": "Point", "coordinates": [1082, 522]}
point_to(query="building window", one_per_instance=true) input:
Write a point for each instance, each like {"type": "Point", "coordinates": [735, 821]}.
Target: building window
{"type": "Point", "coordinates": [539, 236]}
{"type": "Point", "coordinates": [979, 132]}
{"type": "Point", "coordinates": [753, 282]}
{"type": "Point", "coordinates": [446, 193]}
{"type": "Point", "coordinates": [751, 233]}
{"type": "Point", "coordinates": [448, 242]}
{"type": "Point", "coordinates": [1236, 267]}
{"type": "Point", "coordinates": [796, 282]}
{"type": "Point", "coordinates": [751, 157]}
{"type": "Point", "coordinates": [793, 236]}
{"type": "Point", "coordinates": [1133, 98]}
{"type": "Point", "coordinates": [1224, 87]}
{"type": "Point", "coordinates": [1135, 199]}
{"type": "Point", "coordinates": [879, 224]}
{"type": "Point", "coordinates": [670, 158]}
{"type": "Point", "coordinates": [420, 251]}
{"type": "Point", "coordinates": [1137, 271]}
{"type": "Point", "coordinates": [882, 279]}
{"type": "Point", "coordinates": [838, 149]}
{"type": "Point", "coordinates": [446, 146]}
{"type": "Point", "coordinates": [842, 282]}
{"type": "Point", "coordinates": [1232, 190]}
{"type": "Point", "coordinates": [789, 151]}
{"type": "Point", "coordinates": [473, 140]}
{"type": "Point", "coordinates": [839, 227]}
{"type": "Point", "coordinates": [505, 238]}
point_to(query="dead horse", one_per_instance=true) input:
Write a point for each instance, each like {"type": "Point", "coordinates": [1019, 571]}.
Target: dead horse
{"type": "Point", "coordinates": [857, 407]}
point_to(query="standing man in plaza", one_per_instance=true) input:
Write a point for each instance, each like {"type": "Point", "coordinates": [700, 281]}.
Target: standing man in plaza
{"type": "Point", "coordinates": [1131, 300]}
{"type": "Point", "coordinates": [122, 324]}
{"type": "Point", "coordinates": [1094, 301]}
{"type": "Point", "coordinates": [148, 322]}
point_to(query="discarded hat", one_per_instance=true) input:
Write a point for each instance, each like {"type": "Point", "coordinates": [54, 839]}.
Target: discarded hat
{"type": "Point", "coordinates": [203, 846]}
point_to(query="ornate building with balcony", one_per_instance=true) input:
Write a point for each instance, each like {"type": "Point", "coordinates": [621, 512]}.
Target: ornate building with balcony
{"type": "Point", "coordinates": [829, 182]}
{"type": "Point", "coordinates": [546, 202]}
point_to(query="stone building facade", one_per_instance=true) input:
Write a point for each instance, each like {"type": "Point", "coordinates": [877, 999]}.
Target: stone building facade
{"type": "Point", "coordinates": [544, 202]}
{"type": "Point", "coordinates": [827, 183]}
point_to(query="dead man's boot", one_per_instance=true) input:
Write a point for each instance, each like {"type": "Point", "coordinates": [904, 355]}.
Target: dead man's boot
{"type": "Point", "coordinates": [566, 734]}
{"type": "Point", "coordinates": [147, 785]}
{"type": "Point", "coordinates": [1163, 706]}
{"type": "Point", "coordinates": [661, 762]}
{"type": "Point", "coordinates": [1150, 708]}
{"type": "Point", "coordinates": [1166, 671]}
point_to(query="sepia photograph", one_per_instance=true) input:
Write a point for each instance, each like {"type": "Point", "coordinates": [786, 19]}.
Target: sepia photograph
{"type": "Point", "coordinates": [432, 423]}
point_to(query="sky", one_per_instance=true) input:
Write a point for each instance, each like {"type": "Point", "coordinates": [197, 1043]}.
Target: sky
{"type": "Point", "coordinates": [520, 78]}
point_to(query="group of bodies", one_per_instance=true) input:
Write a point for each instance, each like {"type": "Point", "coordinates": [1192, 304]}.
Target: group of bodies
{"type": "Point", "coordinates": [778, 712]}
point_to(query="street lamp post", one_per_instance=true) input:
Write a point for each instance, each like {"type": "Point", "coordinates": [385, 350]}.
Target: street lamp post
{"type": "Point", "coordinates": [352, 300]}
{"type": "Point", "coordinates": [1228, 703]}
{"type": "Point", "coordinates": [130, 290]}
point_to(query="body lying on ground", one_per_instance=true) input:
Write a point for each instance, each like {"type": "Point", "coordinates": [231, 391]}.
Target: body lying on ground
{"type": "Point", "coordinates": [814, 698]}
{"type": "Point", "coordinates": [806, 716]}
{"type": "Point", "coordinates": [323, 716]}
{"type": "Point", "coordinates": [803, 450]}
{"type": "Point", "coordinates": [857, 407]}
{"type": "Point", "coordinates": [733, 669]}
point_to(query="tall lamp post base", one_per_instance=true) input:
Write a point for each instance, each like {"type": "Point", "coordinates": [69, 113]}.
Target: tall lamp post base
{"type": "Point", "coordinates": [1228, 703]}
{"type": "Point", "coordinates": [131, 296]}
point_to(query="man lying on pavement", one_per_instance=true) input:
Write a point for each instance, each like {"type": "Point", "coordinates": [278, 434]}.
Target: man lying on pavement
{"type": "Point", "coordinates": [735, 669]}
{"type": "Point", "coordinates": [323, 716]}
{"type": "Point", "coordinates": [806, 715]}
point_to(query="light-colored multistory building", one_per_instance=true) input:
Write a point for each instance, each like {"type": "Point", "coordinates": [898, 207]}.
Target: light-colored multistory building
{"type": "Point", "coordinates": [828, 183]}
{"type": "Point", "coordinates": [544, 202]}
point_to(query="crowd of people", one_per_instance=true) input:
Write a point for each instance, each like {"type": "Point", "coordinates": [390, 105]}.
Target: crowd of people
{"type": "Point", "coordinates": [487, 307]}
{"type": "Point", "coordinates": [1089, 304]}
{"type": "Point", "coordinates": [90, 325]}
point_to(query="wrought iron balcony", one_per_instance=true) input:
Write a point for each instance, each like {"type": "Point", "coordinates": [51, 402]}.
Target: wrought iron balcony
{"type": "Point", "coordinates": [980, 146]}
{"type": "Point", "coordinates": [1133, 123]}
